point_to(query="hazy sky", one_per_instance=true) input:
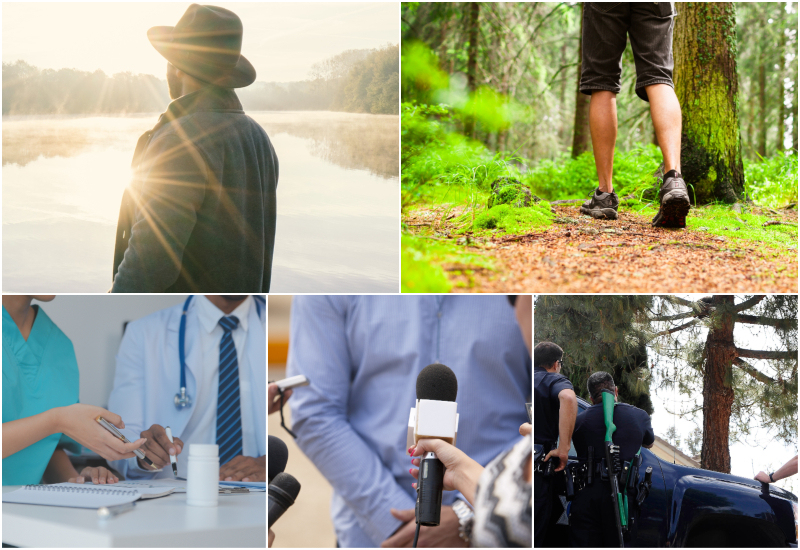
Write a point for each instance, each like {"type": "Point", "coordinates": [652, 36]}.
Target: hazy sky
{"type": "Point", "coordinates": [281, 40]}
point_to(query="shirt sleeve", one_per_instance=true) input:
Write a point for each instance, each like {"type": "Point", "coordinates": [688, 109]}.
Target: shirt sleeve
{"type": "Point", "coordinates": [319, 349]}
{"type": "Point", "coordinates": [127, 397]}
{"type": "Point", "coordinates": [171, 193]}
{"type": "Point", "coordinates": [560, 385]}
{"type": "Point", "coordinates": [649, 435]}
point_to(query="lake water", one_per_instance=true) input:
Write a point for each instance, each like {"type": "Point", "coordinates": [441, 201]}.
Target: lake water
{"type": "Point", "coordinates": [338, 200]}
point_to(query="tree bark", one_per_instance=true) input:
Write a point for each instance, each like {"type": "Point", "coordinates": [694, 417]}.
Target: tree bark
{"type": "Point", "coordinates": [707, 85]}
{"type": "Point", "coordinates": [779, 146]}
{"type": "Point", "coordinates": [581, 137]}
{"type": "Point", "coordinates": [472, 61]}
{"type": "Point", "coordinates": [720, 353]}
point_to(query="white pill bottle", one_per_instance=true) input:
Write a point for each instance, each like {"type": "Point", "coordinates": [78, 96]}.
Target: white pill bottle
{"type": "Point", "coordinates": [202, 485]}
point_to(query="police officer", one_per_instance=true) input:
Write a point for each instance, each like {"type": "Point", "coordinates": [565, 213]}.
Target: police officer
{"type": "Point", "coordinates": [555, 409]}
{"type": "Point", "coordinates": [592, 520]}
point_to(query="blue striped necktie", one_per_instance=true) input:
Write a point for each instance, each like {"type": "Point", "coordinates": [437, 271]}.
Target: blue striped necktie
{"type": "Point", "coordinates": [229, 415]}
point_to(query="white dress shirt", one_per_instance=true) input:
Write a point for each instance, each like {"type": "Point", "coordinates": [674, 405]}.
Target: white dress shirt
{"type": "Point", "coordinates": [202, 425]}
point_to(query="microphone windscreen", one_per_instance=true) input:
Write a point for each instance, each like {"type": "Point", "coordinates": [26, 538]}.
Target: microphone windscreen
{"type": "Point", "coordinates": [288, 483]}
{"type": "Point", "coordinates": [278, 454]}
{"type": "Point", "coordinates": [437, 383]}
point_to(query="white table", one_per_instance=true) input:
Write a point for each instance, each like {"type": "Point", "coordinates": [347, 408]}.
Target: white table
{"type": "Point", "coordinates": [239, 521]}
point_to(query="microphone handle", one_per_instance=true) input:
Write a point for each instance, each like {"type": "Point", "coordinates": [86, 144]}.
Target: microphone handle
{"type": "Point", "coordinates": [279, 502]}
{"type": "Point", "coordinates": [429, 488]}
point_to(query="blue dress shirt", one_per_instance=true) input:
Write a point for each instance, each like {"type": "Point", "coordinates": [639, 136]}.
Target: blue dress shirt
{"type": "Point", "coordinates": [362, 355]}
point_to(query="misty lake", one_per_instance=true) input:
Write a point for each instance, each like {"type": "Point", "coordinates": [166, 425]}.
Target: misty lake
{"type": "Point", "coordinates": [338, 200]}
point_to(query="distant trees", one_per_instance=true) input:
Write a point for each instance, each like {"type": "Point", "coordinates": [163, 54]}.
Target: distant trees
{"type": "Point", "coordinates": [28, 90]}
{"type": "Point", "coordinates": [360, 81]}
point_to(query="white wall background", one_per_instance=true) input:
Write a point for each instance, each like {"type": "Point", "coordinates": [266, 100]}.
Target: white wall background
{"type": "Point", "coordinates": [94, 324]}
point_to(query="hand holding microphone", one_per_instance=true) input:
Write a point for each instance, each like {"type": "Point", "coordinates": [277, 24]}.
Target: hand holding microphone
{"type": "Point", "coordinates": [461, 472]}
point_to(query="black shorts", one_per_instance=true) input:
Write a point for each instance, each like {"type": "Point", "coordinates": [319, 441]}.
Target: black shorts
{"type": "Point", "coordinates": [606, 26]}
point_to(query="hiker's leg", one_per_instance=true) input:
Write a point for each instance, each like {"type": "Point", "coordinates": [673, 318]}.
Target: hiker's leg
{"type": "Point", "coordinates": [666, 113]}
{"type": "Point", "coordinates": [603, 126]}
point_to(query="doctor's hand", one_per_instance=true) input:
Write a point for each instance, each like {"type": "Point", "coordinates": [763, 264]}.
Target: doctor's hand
{"type": "Point", "coordinates": [158, 447]}
{"type": "Point", "coordinates": [98, 476]}
{"type": "Point", "coordinates": [244, 468]}
{"type": "Point", "coordinates": [78, 422]}
{"type": "Point", "coordinates": [275, 399]}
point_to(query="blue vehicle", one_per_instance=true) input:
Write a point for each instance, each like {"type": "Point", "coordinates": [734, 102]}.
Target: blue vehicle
{"type": "Point", "coordinates": [689, 507]}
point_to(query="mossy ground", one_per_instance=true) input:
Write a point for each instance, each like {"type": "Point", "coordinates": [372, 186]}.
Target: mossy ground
{"type": "Point", "coordinates": [473, 254]}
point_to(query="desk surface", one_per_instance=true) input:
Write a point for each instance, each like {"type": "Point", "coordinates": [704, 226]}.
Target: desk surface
{"type": "Point", "coordinates": [239, 521]}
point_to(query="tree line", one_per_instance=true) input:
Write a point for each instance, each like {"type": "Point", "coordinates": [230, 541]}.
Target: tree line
{"type": "Point", "coordinates": [359, 81]}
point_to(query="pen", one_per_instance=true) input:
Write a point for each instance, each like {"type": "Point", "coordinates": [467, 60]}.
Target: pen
{"type": "Point", "coordinates": [172, 457]}
{"type": "Point", "coordinates": [118, 434]}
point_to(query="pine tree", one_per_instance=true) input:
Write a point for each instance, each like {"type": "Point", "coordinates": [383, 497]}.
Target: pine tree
{"type": "Point", "coordinates": [598, 333]}
{"type": "Point", "coordinates": [737, 395]}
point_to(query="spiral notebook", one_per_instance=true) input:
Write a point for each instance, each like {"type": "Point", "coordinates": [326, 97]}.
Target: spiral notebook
{"type": "Point", "coordinates": [78, 495]}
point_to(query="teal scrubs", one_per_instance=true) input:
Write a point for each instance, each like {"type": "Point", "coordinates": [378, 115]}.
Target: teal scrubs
{"type": "Point", "coordinates": [38, 374]}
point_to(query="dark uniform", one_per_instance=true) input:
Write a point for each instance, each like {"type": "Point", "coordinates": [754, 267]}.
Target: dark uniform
{"type": "Point", "coordinates": [592, 521]}
{"type": "Point", "coordinates": [546, 405]}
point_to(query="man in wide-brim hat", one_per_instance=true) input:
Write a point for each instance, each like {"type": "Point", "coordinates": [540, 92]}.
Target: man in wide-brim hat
{"type": "Point", "coordinates": [200, 213]}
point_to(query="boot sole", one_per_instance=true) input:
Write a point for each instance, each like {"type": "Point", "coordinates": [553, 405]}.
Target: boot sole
{"type": "Point", "coordinates": [673, 212]}
{"type": "Point", "coordinates": [600, 213]}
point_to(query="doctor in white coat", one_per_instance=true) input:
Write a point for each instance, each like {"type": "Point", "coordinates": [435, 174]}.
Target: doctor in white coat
{"type": "Point", "coordinates": [147, 384]}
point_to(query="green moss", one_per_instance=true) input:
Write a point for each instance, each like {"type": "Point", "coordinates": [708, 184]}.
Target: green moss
{"type": "Point", "coordinates": [514, 220]}
{"type": "Point", "coordinates": [423, 260]}
{"type": "Point", "coordinates": [721, 220]}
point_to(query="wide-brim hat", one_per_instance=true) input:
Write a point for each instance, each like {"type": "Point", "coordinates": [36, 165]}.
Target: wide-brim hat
{"type": "Point", "coordinates": [206, 44]}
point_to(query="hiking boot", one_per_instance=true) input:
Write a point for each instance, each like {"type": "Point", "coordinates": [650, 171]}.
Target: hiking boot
{"type": "Point", "coordinates": [602, 206]}
{"type": "Point", "coordinates": [674, 200]}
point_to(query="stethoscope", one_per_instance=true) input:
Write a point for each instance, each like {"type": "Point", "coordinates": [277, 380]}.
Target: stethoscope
{"type": "Point", "coordinates": [182, 399]}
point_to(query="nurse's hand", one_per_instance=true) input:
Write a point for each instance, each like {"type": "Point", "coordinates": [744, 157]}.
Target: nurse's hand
{"type": "Point", "coordinates": [158, 447]}
{"type": "Point", "coordinates": [98, 476]}
{"type": "Point", "coordinates": [244, 468]}
{"type": "Point", "coordinates": [78, 422]}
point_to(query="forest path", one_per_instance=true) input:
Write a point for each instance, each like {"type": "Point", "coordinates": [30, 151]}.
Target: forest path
{"type": "Point", "coordinates": [579, 254]}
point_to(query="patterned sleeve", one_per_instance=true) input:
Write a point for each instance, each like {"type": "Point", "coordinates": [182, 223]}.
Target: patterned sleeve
{"type": "Point", "coordinates": [503, 501]}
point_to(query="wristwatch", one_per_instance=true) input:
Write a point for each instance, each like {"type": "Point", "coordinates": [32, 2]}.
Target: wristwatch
{"type": "Point", "coordinates": [770, 478]}
{"type": "Point", "coordinates": [465, 517]}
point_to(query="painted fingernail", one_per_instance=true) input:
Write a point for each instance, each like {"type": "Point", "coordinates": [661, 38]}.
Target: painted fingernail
{"type": "Point", "coordinates": [414, 485]}
{"type": "Point", "coordinates": [411, 470]}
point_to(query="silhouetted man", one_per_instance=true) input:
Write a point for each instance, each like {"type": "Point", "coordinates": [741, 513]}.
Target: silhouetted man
{"type": "Point", "coordinates": [200, 213]}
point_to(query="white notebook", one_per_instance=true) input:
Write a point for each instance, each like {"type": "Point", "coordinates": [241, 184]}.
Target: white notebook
{"type": "Point", "coordinates": [81, 495]}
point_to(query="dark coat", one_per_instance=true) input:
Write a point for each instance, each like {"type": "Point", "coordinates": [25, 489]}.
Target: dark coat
{"type": "Point", "coordinates": [200, 213]}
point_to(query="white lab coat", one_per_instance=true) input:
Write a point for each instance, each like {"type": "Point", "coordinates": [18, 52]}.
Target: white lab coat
{"type": "Point", "coordinates": [148, 376]}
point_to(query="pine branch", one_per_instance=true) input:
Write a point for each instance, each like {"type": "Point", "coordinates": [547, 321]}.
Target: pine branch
{"type": "Point", "coordinates": [680, 301]}
{"type": "Point", "coordinates": [675, 317]}
{"type": "Point", "coordinates": [676, 329]}
{"type": "Point", "coordinates": [785, 324]}
{"type": "Point", "coordinates": [747, 304]}
{"type": "Point", "coordinates": [761, 354]}
{"type": "Point", "coordinates": [761, 377]}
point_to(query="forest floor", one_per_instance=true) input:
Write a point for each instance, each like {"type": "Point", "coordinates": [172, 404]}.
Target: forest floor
{"type": "Point", "coordinates": [721, 250]}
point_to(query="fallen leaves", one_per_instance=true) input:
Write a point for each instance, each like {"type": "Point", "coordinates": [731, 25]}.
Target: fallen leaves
{"type": "Point", "coordinates": [627, 255]}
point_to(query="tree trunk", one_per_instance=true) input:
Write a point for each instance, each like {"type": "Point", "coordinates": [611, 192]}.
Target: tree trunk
{"type": "Point", "coordinates": [472, 61]}
{"type": "Point", "coordinates": [707, 85]}
{"type": "Point", "coordinates": [581, 137]}
{"type": "Point", "coordinates": [720, 353]}
{"type": "Point", "coordinates": [762, 109]}
{"type": "Point", "coordinates": [779, 146]}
